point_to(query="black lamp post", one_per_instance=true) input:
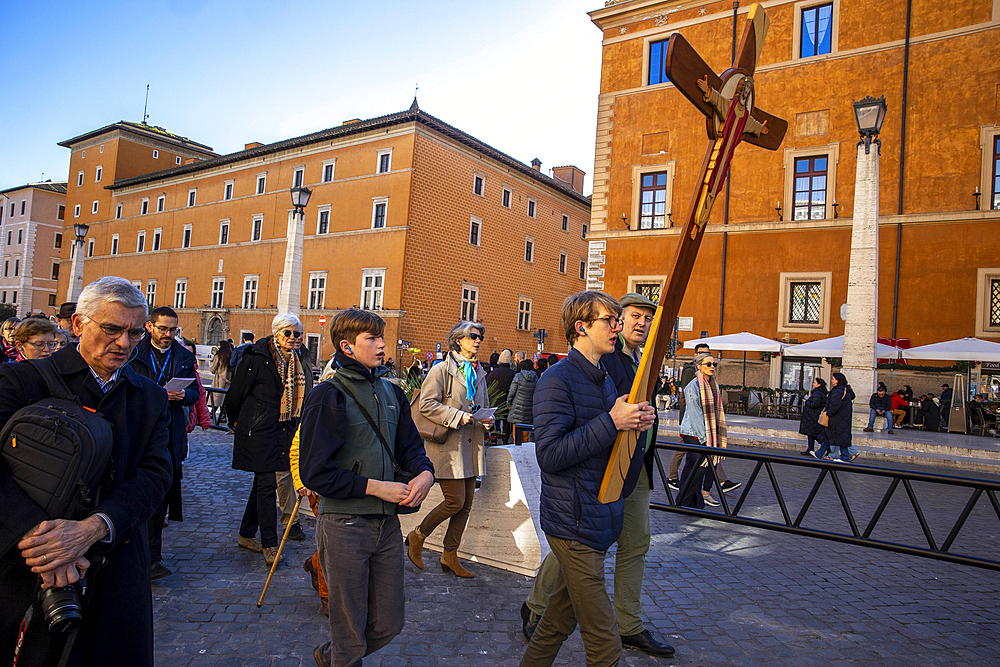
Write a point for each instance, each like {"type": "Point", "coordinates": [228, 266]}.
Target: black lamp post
{"type": "Point", "coordinates": [80, 230]}
{"type": "Point", "coordinates": [870, 113]}
{"type": "Point", "coordinates": [300, 199]}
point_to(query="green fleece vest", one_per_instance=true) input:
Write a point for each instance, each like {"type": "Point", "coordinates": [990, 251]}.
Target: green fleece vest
{"type": "Point", "coordinates": [362, 452]}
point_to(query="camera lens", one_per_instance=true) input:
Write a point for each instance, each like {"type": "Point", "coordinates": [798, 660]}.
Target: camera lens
{"type": "Point", "coordinates": [62, 609]}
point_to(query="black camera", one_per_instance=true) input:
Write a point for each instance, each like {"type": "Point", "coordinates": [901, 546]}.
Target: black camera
{"type": "Point", "coordinates": [62, 608]}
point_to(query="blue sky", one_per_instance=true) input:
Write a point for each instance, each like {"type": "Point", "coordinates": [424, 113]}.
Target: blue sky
{"type": "Point", "coordinates": [521, 75]}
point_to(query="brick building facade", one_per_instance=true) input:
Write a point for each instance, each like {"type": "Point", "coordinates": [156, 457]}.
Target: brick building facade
{"type": "Point", "coordinates": [783, 274]}
{"type": "Point", "coordinates": [31, 234]}
{"type": "Point", "coordinates": [408, 215]}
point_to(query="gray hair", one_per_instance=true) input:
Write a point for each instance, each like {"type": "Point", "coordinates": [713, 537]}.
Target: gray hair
{"type": "Point", "coordinates": [461, 330]}
{"type": "Point", "coordinates": [284, 321]}
{"type": "Point", "coordinates": [700, 358]}
{"type": "Point", "coordinates": [110, 289]}
{"type": "Point", "coordinates": [519, 356]}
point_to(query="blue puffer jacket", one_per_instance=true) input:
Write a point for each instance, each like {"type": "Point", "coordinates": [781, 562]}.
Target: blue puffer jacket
{"type": "Point", "coordinates": [574, 434]}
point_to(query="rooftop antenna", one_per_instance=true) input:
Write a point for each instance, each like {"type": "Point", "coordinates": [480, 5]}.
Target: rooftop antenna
{"type": "Point", "coordinates": [145, 106]}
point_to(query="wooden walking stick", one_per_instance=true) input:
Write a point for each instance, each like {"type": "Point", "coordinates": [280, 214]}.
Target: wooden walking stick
{"type": "Point", "coordinates": [277, 557]}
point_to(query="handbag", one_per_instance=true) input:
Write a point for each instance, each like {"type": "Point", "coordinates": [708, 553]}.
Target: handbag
{"type": "Point", "coordinates": [824, 419]}
{"type": "Point", "coordinates": [429, 430]}
{"type": "Point", "coordinates": [398, 474]}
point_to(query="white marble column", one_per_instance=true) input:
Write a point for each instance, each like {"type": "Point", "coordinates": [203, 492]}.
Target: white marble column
{"type": "Point", "coordinates": [290, 295]}
{"type": "Point", "coordinates": [861, 325]}
{"type": "Point", "coordinates": [76, 273]}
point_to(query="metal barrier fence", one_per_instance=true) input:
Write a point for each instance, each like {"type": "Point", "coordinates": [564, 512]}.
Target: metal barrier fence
{"type": "Point", "coordinates": [824, 469]}
{"type": "Point", "coordinates": [214, 401]}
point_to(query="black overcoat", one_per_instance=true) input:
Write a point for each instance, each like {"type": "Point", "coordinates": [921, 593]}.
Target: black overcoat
{"type": "Point", "coordinates": [254, 402]}
{"type": "Point", "coordinates": [118, 622]}
{"type": "Point", "coordinates": [840, 410]}
{"type": "Point", "coordinates": [809, 423]}
{"type": "Point", "coordinates": [180, 365]}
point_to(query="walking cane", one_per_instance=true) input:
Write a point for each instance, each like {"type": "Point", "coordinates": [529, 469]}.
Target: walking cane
{"type": "Point", "coordinates": [295, 513]}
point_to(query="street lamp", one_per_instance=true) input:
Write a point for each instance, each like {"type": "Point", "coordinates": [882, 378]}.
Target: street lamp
{"type": "Point", "coordinates": [869, 113]}
{"type": "Point", "coordinates": [291, 287]}
{"type": "Point", "coordinates": [76, 268]}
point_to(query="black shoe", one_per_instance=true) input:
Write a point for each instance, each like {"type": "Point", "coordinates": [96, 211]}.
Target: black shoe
{"type": "Point", "coordinates": [158, 571]}
{"type": "Point", "coordinates": [730, 485]}
{"type": "Point", "coordinates": [529, 621]}
{"type": "Point", "coordinates": [645, 642]}
{"type": "Point", "coordinates": [674, 484]}
{"type": "Point", "coordinates": [296, 533]}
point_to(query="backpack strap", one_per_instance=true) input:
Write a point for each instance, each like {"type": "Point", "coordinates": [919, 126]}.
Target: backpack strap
{"type": "Point", "coordinates": [364, 411]}
{"type": "Point", "coordinates": [53, 381]}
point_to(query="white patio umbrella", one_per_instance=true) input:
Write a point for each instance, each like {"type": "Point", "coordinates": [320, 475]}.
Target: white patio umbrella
{"type": "Point", "coordinates": [962, 349]}
{"type": "Point", "coordinates": [834, 347]}
{"type": "Point", "coordinates": [744, 341]}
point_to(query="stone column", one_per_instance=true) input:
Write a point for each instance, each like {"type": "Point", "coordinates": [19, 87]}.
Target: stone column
{"type": "Point", "coordinates": [290, 295]}
{"type": "Point", "coordinates": [76, 273]}
{"type": "Point", "coordinates": [861, 324]}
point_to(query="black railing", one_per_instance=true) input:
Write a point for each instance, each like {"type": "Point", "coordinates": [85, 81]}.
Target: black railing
{"type": "Point", "coordinates": [214, 401]}
{"type": "Point", "coordinates": [824, 469]}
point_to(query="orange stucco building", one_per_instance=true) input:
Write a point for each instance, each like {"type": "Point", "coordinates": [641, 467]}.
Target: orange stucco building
{"type": "Point", "coordinates": [783, 274]}
{"type": "Point", "coordinates": [408, 215]}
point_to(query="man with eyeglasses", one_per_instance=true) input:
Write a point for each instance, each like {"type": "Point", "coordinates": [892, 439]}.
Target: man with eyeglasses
{"type": "Point", "coordinates": [160, 357]}
{"type": "Point", "coordinates": [621, 365]}
{"type": "Point", "coordinates": [578, 413]}
{"type": "Point", "coordinates": [117, 626]}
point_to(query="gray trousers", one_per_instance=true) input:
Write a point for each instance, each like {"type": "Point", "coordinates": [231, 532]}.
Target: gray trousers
{"type": "Point", "coordinates": [363, 559]}
{"type": "Point", "coordinates": [286, 494]}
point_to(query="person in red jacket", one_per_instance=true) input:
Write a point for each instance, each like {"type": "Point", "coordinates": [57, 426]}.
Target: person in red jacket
{"type": "Point", "coordinates": [199, 411]}
{"type": "Point", "coordinates": [899, 405]}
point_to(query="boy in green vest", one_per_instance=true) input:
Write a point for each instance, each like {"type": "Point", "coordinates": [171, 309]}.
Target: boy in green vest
{"type": "Point", "coordinates": [352, 467]}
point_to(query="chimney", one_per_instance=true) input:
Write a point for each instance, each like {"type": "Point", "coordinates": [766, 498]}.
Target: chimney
{"type": "Point", "coordinates": [536, 164]}
{"type": "Point", "coordinates": [571, 176]}
{"type": "Point", "coordinates": [351, 121]}
{"type": "Point", "coordinates": [252, 144]}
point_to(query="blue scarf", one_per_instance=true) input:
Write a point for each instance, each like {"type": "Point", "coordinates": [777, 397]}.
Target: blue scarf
{"type": "Point", "coordinates": [470, 377]}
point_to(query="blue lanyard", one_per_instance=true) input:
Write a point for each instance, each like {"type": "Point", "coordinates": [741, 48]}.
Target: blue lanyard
{"type": "Point", "coordinates": [152, 360]}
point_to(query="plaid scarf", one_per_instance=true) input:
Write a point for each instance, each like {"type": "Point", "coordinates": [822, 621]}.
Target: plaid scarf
{"type": "Point", "coordinates": [715, 418]}
{"type": "Point", "coordinates": [293, 381]}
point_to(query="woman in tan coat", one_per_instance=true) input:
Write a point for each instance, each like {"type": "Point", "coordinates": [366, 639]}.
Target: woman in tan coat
{"type": "Point", "coordinates": [453, 390]}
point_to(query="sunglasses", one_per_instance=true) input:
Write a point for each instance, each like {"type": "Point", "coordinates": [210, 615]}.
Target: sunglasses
{"type": "Point", "coordinates": [710, 364]}
{"type": "Point", "coordinates": [292, 334]}
{"type": "Point", "coordinates": [475, 336]}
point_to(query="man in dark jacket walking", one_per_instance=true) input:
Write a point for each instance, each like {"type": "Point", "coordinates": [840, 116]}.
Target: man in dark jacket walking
{"type": "Point", "coordinates": [503, 375]}
{"type": "Point", "coordinates": [577, 418]}
{"type": "Point", "coordinates": [345, 460]}
{"type": "Point", "coordinates": [246, 342]}
{"type": "Point", "coordinates": [161, 358]}
{"type": "Point", "coordinates": [117, 627]}
{"type": "Point", "coordinates": [621, 365]}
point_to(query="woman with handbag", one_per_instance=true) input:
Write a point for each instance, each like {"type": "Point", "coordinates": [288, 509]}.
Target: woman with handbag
{"type": "Point", "coordinates": [839, 412]}
{"type": "Point", "coordinates": [452, 392]}
{"type": "Point", "coordinates": [809, 423]}
{"type": "Point", "coordinates": [704, 423]}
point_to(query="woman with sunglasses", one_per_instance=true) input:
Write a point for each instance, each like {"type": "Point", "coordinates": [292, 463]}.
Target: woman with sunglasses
{"type": "Point", "coordinates": [451, 393]}
{"type": "Point", "coordinates": [34, 338]}
{"type": "Point", "coordinates": [264, 404]}
{"type": "Point", "coordinates": [704, 423]}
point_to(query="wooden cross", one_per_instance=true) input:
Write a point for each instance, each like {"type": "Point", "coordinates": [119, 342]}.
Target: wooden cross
{"type": "Point", "coordinates": [727, 100]}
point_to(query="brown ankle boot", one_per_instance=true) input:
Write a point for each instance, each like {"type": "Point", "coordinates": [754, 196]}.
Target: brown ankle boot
{"type": "Point", "coordinates": [449, 561]}
{"type": "Point", "coordinates": [415, 547]}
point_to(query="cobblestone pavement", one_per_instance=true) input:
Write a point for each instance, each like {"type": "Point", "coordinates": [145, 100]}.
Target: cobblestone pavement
{"type": "Point", "coordinates": [721, 594]}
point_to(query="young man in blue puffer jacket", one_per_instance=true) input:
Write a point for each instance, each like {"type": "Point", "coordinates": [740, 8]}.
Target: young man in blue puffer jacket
{"type": "Point", "coordinates": [577, 418]}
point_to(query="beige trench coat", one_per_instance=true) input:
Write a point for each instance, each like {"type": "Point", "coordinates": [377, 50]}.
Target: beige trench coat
{"type": "Point", "coordinates": [463, 455]}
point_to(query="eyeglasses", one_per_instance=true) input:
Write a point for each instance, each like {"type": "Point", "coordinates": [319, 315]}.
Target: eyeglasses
{"type": "Point", "coordinates": [43, 345]}
{"type": "Point", "coordinates": [292, 334]}
{"type": "Point", "coordinates": [163, 330]}
{"type": "Point", "coordinates": [710, 364]}
{"type": "Point", "coordinates": [475, 336]}
{"type": "Point", "coordinates": [114, 332]}
{"type": "Point", "coordinates": [612, 321]}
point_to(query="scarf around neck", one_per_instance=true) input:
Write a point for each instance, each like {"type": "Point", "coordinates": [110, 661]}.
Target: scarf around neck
{"type": "Point", "coordinates": [469, 372]}
{"type": "Point", "coordinates": [715, 418]}
{"type": "Point", "coordinates": [293, 381]}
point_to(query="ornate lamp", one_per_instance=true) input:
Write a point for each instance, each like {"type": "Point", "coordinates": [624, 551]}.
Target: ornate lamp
{"type": "Point", "coordinates": [81, 231]}
{"type": "Point", "coordinates": [300, 198]}
{"type": "Point", "coordinates": [870, 113]}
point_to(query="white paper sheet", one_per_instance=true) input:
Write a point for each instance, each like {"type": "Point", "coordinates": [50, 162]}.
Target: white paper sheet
{"type": "Point", "coordinates": [483, 414]}
{"type": "Point", "coordinates": [176, 384]}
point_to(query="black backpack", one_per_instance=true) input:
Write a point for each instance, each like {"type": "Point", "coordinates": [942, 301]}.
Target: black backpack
{"type": "Point", "coordinates": [58, 451]}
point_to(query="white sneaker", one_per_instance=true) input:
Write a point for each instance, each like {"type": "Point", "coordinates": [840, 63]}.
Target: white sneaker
{"type": "Point", "coordinates": [709, 500]}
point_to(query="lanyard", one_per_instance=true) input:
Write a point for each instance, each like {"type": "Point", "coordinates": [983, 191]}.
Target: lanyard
{"type": "Point", "coordinates": [152, 360]}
